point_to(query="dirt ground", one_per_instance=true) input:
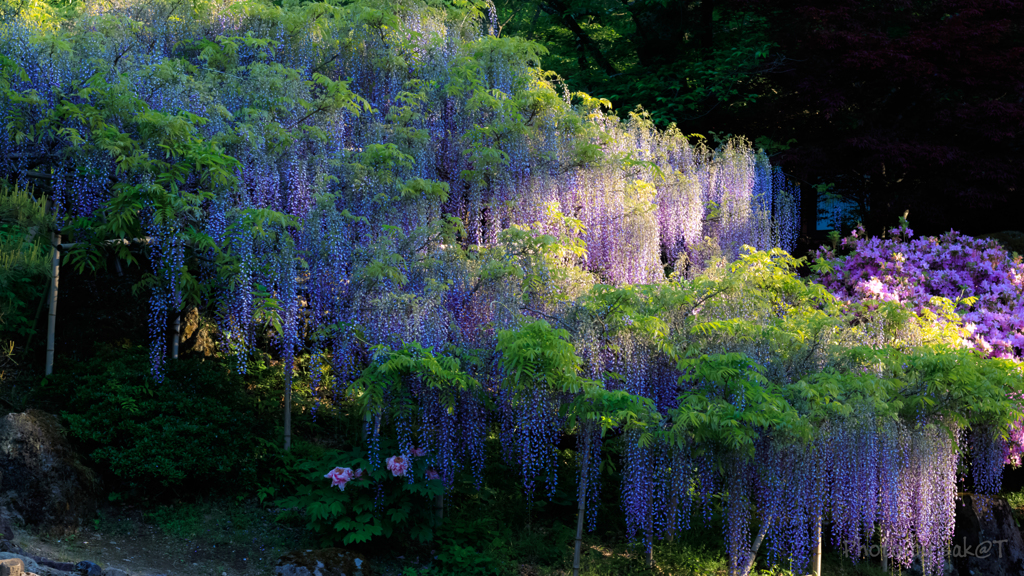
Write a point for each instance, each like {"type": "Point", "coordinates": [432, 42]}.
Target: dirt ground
{"type": "Point", "coordinates": [125, 539]}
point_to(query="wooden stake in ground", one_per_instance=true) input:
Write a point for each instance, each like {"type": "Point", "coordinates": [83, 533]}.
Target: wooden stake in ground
{"type": "Point", "coordinates": [51, 324]}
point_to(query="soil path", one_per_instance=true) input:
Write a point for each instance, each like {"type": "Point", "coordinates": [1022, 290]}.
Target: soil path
{"type": "Point", "coordinates": [124, 539]}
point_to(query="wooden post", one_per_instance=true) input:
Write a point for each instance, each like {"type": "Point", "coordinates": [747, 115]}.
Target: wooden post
{"type": "Point", "coordinates": [439, 507]}
{"type": "Point", "coordinates": [816, 555]}
{"type": "Point", "coordinates": [581, 511]}
{"type": "Point", "coordinates": [52, 321]}
{"type": "Point", "coordinates": [885, 556]}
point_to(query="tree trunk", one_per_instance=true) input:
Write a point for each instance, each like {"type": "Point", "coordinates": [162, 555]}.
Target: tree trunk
{"type": "Point", "coordinates": [583, 40]}
{"type": "Point", "coordinates": [176, 336]}
{"type": "Point", "coordinates": [756, 546]}
{"type": "Point", "coordinates": [287, 414]}
{"type": "Point", "coordinates": [816, 554]}
{"type": "Point", "coordinates": [581, 512]}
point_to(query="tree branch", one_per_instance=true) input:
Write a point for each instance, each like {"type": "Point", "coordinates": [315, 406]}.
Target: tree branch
{"type": "Point", "coordinates": [582, 38]}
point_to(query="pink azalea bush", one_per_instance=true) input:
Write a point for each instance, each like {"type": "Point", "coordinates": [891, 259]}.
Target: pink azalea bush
{"type": "Point", "coordinates": [398, 465]}
{"type": "Point", "coordinates": [432, 474]}
{"type": "Point", "coordinates": [912, 271]}
{"type": "Point", "coordinates": [342, 476]}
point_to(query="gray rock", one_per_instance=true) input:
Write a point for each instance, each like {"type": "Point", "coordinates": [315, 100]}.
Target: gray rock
{"type": "Point", "coordinates": [6, 530]}
{"type": "Point", "coordinates": [986, 540]}
{"type": "Point", "coordinates": [44, 482]}
{"type": "Point", "coordinates": [323, 562]}
{"type": "Point", "coordinates": [86, 568]}
{"type": "Point", "coordinates": [292, 570]}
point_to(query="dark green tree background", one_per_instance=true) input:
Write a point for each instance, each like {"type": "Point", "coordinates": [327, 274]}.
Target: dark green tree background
{"type": "Point", "coordinates": [894, 106]}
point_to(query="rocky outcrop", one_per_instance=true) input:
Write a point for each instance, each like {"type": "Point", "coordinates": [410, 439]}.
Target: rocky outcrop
{"type": "Point", "coordinates": [12, 567]}
{"type": "Point", "coordinates": [986, 541]}
{"type": "Point", "coordinates": [196, 334]}
{"type": "Point", "coordinates": [43, 480]}
{"type": "Point", "coordinates": [325, 562]}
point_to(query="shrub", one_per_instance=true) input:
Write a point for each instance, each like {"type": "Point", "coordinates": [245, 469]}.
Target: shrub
{"type": "Point", "coordinates": [374, 501]}
{"type": "Point", "coordinates": [24, 259]}
{"type": "Point", "coordinates": [985, 281]}
{"type": "Point", "coordinates": [193, 431]}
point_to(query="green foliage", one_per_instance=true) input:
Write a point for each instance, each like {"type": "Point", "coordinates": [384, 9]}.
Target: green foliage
{"type": "Point", "coordinates": [374, 505]}
{"type": "Point", "coordinates": [651, 54]}
{"type": "Point", "coordinates": [811, 366]}
{"type": "Point", "coordinates": [538, 355]}
{"type": "Point", "coordinates": [391, 368]}
{"type": "Point", "coordinates": [25, 254]}
{"type": "Point", "coordinates": [482, 544]}
{"type": "Point", "coordinates": [145, 435]}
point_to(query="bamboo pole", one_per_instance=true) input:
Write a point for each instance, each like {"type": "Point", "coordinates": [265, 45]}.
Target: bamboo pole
{"type": "Point", "coordinates": [52, 320]}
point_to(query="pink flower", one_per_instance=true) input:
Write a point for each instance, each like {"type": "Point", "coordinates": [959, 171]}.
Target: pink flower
{"type": "Point", "coordinates": [398, 465]}
{"type": "Point", "coordinates": [342, 476]}
{"type": "Point", "coordinates": [873, 287]}
{"type": "Point", "coordinates": [417, 452]}
{"type": "Point", "coordinates": [432, 474]}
